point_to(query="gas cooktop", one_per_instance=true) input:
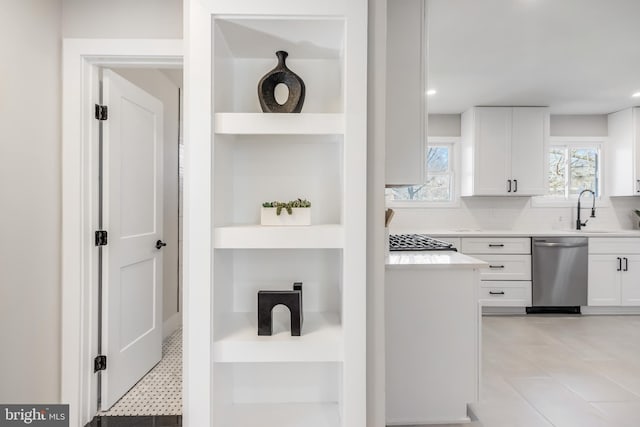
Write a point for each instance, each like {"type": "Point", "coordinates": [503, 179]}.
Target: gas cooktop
{"type": "Point", "coordinates": [417, 242]}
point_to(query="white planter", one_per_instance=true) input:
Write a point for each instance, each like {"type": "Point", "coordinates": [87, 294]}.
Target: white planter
{"type": "Point", "coordinates": [299, 216]}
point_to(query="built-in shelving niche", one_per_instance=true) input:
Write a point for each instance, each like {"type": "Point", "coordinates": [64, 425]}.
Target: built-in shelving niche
{"type": "Point", "coordinates": [252, 169]}
{"type": "Point", "coordinates": [241, 273]}
{"type": "Point", "coordinates": [262, 379]}
{"type": "Point", "coordinates": [277, 394]}
{"type": "Point", "coordinates": [278, 380]}
{"type": "Point", "coordinates": [244, 51]}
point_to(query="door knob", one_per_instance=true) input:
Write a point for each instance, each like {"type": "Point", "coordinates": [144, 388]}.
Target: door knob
{"type": "Point", "coordinates": [160, 244]}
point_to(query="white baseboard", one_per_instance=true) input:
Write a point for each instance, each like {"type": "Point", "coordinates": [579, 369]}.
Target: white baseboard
{"type": "Point", "coordinates": [589, 311]}
{"type": "Point", "coordinates": [615, 310]}
{"type": "Point", "coordinates": [171, 325]}
{"type": "Point", "coordinates": [446, 421]}
{"type": "Point", "coordinates": [503, 311]}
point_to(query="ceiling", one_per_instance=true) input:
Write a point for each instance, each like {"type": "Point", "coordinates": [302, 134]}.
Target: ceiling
{"type": "Point", "coordinates": [575, 56]}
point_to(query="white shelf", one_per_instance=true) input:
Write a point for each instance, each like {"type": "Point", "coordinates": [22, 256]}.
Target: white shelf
{"type": "Point", "coordinates": [274, 237]}
{"type": "Point", "coordinates": [279, 124]}
{"type": "Point", "coordinates": [282, 415]}
{"type": "Point", "coordinates": [238, 340]}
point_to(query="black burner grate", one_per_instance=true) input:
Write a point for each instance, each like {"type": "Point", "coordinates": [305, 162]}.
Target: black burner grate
{"type": "Point", "coordinates": [417, 242]}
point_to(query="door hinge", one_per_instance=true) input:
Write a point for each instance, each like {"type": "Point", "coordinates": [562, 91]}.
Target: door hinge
{"type": "Point", "coordinates": [100, 363]}
{"type": "Point", "coordinates": [101, 238]}
{"type": "Point", "coordinates": [101, 112]}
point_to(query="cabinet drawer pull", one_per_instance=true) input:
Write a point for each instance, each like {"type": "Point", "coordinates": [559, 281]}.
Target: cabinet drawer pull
{"type": "Point", "coordinates": [496, 266]}
{"type": "Point", "coordinates": [496, 245]}
{"type": "Point", "coordinates": [496, 293]}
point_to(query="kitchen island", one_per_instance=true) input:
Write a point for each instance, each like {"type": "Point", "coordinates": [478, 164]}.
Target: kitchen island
{"type": "Point", "coordinates": [433, 325]}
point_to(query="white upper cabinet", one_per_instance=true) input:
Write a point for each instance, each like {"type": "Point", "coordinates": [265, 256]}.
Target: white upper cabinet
{"type": "Point", "coordinates": [623, 157]}
{"type": "Point", "coordinates": [529, 159]}
{"type": "Point", "coordinates": [486, 136]}
{"type": "Point", "coordinates": [504, 151]}
{"type": "Point", "coordinates": [405, 92]}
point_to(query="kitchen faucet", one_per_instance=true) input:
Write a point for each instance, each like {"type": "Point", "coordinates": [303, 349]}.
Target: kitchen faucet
{"type": "Point", "coordinates": [580, 224]}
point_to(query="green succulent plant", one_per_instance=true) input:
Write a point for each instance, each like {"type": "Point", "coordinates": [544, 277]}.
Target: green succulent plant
{"type": "Point", "coordinates": [288, 206]}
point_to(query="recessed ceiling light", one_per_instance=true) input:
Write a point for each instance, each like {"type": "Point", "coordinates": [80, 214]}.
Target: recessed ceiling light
{"type": "Point", "coordinates": [432, 92]}
{"type": "Point", "coordinates": [636, 95]}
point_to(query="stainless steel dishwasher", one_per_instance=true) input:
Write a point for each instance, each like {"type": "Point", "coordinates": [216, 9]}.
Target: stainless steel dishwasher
{"type": "Point", "coordinates": [559, 274]}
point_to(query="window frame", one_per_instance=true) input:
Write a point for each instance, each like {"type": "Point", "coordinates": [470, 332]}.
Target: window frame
{"type": "Point", "coordinates": [576, 142]}
{"type": "Point", "coordinates": [454, 168]}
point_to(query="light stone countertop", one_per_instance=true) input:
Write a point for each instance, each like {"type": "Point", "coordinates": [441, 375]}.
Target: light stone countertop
{"type": "Point", "coordinates": [432, 259]}
{"type": "Point", "coordinates": [447, 259]}
{"type": "Point", "coordinates": [467, 232]}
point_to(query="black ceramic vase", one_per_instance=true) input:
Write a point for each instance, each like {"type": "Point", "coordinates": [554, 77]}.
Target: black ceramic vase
{"type": "Point", "coordinates": [268, 83]}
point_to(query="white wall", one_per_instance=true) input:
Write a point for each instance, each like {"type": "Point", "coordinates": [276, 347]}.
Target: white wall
{"type": "Point", "coordinates": [579, 125]}
{"type": "Point", "coordinates": [560, 125]}
{"type": "Point", "coordinates": [30, 114]}
{"type": "Point", "coordinates": [158, 84]}
{"type": "Point", "coordinates": [444, 125]}
{"type": "Point", "coordinates": [122, 19]}
{"type": "Point", "coordinates": [30, 194]}
{"type": "Point", "coordinates": [376, 130]}
{"type": "Point", "coordinates": [501, 213]}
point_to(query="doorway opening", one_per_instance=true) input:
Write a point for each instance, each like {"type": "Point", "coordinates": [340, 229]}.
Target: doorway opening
{"type": "Point", "coordinates": [83, 62]}
{"type": "Point", "coordinates": [139, 283]}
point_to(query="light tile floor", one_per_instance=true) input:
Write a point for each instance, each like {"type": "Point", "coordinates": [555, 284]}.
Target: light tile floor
{"type": "Point", "coordinates": [160, 391]}
{"type": "Point", "coordinates": [537, 371]}
{"type": "Point", "coordinates": [562, 371]}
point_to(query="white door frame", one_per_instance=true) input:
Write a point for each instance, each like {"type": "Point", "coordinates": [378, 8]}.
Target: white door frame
{"type": "Point", "coordinates": [80, 91]}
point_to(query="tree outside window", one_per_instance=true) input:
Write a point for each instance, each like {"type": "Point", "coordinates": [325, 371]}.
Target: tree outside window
{"type": "Point", "coordinates": [439, 183]}
{"type": "Point", "coordinates": [573, 168]}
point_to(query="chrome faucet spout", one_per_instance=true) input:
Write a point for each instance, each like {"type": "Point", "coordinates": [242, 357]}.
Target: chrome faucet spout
{"type": "Point", "coordinates": [579, 223]}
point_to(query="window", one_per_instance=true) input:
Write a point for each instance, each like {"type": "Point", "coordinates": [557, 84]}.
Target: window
{"type": "Point", "coordinates": [439, 185]}
{"type": "Point", "coordinates": [574, 167]}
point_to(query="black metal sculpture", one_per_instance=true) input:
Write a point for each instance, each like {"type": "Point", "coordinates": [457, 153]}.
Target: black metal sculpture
{"type": "Point", "coordinates": [268, 83]}
{"type": "Point", "coordinates": [267, 300]}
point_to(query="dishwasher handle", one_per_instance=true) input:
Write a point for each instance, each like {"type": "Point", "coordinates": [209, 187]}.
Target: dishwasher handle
{"type": "Point", "coordinates": [558, 245]}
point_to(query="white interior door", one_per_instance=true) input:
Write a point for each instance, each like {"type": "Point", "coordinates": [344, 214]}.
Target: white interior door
{"type": "Point", "coordinates": [132, 215]}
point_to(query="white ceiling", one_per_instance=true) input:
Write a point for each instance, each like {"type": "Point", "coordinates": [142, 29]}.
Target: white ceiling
{"type": "Point", "coordinates": [576, 56]}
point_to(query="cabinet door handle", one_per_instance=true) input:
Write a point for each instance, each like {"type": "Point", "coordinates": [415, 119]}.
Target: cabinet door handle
{"type": "Point", "coordinates": [626, 264]}
{"type": "Point", "coordinates": [515, 182]}
{"type": "Point", "coordinates": [496, 266]}
{"type": "Point", "coordinates": [496, 245]}
{"type": "Point", "coordinates": [509, 190]}
{"type": "Point", "coordinates": [496, 293]}
{"type": "Point", "coordinates": [619, 263]}
{"type": "Point", "coordinates": [637, 185]}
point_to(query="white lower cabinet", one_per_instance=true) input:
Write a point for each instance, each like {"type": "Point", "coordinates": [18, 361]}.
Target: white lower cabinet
{"type": "Point", "coordinates": [493, 245]}
{"type": "Point", "coordinates": [604, 280]}
{"type": "Point", "coordinates": [505, 267]}
{"type": "Point", "coordinates": [505, 293]}
{"type": "Point", "coordinates": [630, 281]}
{"type": "Point", "coordinates": [506, 282]}
{"type": "Point", "coordinates": [433, 334]}
{"type": "Point", "coordinates": [614, 280]}
{"type": "Point", "coordinates": [614, 277]}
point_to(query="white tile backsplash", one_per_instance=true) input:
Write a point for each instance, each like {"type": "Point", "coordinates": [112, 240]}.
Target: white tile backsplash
{"type": "Point", "coordinates": [514, 213]}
